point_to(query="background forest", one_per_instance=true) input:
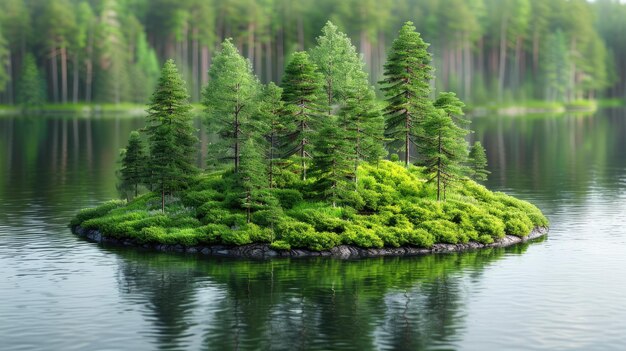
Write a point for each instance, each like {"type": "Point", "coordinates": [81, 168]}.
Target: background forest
{"type": "Point", "coordinates": [110, 51]}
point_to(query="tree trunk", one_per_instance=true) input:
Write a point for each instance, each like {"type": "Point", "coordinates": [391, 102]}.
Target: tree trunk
{"type": "Point", "coordinates": [162, 198]}
{"type": "Point", "coordinates": [251, 42]}
{"type": "Point", "coordinates": [502, 63]}
{"type": "Point", "coordinates": [206, 60]}
{"type": "Point", "coordinates": [407, 141]}
{"type": "Point", "coordinates": [64, 74]}
{"type": "Point", "coordinates": [195, 79]}
{"type": "Point", "coordinates": [75, 79]}
{"type": "Point", "coordinates": [89, 67]}
{"type": "Point", "coordinates": [280, 54]}
{"type": "Point", "coordinates": [268, 61]}
{"type": "Point", "coordinates": [300, 33]}
{"type": "Point", "coordinates": [55, 83]}
{"type": "Point", "coordinates": [10, 83]}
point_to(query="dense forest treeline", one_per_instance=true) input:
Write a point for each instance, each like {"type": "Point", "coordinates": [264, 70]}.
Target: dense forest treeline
{"type": "Point", "coordinates": [70, 51]}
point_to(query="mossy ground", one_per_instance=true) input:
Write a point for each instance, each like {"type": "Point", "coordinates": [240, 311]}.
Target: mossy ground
{"type": "Point", "coordinates": [392, 207]}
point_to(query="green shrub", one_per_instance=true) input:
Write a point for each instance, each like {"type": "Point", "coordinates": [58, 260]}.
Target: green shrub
{"type": "Point", "coordinates": [287, 198]}
{"type": "Point", "coordinates": [198, 198]}
{"type": "Point", "coordinates": [212, 233]}
{"type": "Point", "coordinates": [89, 213]}
{"type": "Point", "coordinates": [444, 231]}
{"type": "Point", "coordinates": [151, 235]}
{"type": "Point", "coordinates": [258, 234]}
{"type": "Point", "coordinates": [236, 237]}
{"type": "Point", "coordinates": [280, 245]}
{"type": "Point", "coordinates": [362, 237]}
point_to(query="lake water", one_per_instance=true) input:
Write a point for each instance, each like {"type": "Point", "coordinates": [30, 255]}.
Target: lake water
{"type": "Point", "coordinates": [59, 292]}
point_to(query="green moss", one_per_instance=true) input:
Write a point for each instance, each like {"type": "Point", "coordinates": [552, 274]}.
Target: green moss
{"type": "Point", "coordinates": [392, 207]}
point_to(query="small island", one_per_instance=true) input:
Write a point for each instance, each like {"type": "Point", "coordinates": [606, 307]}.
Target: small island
{"type": "Point", "coordinates": [303, 169]}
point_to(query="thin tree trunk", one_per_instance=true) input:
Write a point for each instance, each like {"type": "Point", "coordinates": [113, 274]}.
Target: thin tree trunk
{"type": "Point", "coordinates": [10, 83]}
{"type": "Point", "coordinates": [55, 84]}
{"type": "Point", "coordinates": [64, 74]}
{"type": "Point", "coordinates": [280, 54]}
{"type": "Point", "coordinates": [439, 170]}
{"type": "Point", "coordinates": [258, 55]}
{"type": "Point", "coordinates": [162, 198]}
{"type": "Point", "coordinates": [251, 42]}
{"type": "Point", "coordinates": [268, 61]}
{"type": "Point", "coordinates": [195, 79]}
{"type": "Point", "coordinates": [89, 67]}
{"type": "Point", "coordinates": [502, 64]}
{"type": "Point", "coordinates": [204, 66]}
{"type": "Point", "coordinates": [75, 79]}
{"type": "Point", "coordinates": [300, 33]}
{"type": "Point", "coordinates": [407, 141]}
{"type": "Point", "coordinates": [468, 68]}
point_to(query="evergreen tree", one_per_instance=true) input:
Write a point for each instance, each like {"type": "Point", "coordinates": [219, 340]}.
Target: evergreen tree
{"type": "Point", "coordinates": [134, 160]}
{"type": "Point", "coordinates": [252, 179]}
{"type": "Point", "coordinates": [339, 63]}
{"type": "Point", "coordinates": [363, 126]}
{"type": "Point", "coordinates": [333, 164]}
{"type": "Point", "coordinates": [301, 91]}
{"type": "Point", "coordinates": [171, 134]}
{"type": "Point", "coordinates": [556, 67]}
{"type": "Point", "coordinates": [443, 151]}
{"type": "Point", "coordinates": [453, 107]}
{"type": "Point", "coordinates": [271, 114]}
{"type": "Point", "coordinates": [230, 101]}
{"type": "Point", "coordinates": [31, 88]}
{"type": "Point", "coordinates": [407, 88]}
{"type": "Point", "coordinates": [478, 162]}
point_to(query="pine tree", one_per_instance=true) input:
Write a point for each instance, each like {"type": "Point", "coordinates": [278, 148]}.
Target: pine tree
{"type": "Point", "coordinates": [230, 101]}
{"type": "Point", "coordinates": [407, 88]}
{"type": "Point", "coordinates": [363, 126]}
{"type": "Point", "coordinates": [444, 150]}
{"type": "Point", "coordinates": [301, 90]}
{"type": "Point", "coordinates": [478, 162]}
{"type": "Point", "coordinates": [339, 63]}
{"type": "Point", "coordinates": [252, 179]}
{"type": "Point", "coordinates": [171, 134]}
{"type": "Point", "coordinates": [271, 115]}
{"type": "Point", "coordinates": [31, 87]}
{"type": "Point", "coordinates": [453, 107]}
{"type": "Point", "coordinates": [333, 164]}
{"type": "Point", "coordinates": [134, 161]}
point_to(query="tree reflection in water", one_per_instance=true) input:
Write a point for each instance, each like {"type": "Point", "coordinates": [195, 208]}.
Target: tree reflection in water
{"type": "Point", "coordinates": [368, 304]}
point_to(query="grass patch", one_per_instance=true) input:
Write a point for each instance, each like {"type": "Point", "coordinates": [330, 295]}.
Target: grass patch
{"type": "Point", "coordinates": [392, 207]}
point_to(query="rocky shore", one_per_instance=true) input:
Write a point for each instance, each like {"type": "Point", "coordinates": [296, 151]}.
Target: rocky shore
{"type": "Point", "coordinates": [261, 251]}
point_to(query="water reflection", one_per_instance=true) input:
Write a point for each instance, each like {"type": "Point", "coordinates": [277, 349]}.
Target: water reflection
{"type": "Point", "coordinates": [389, 303]}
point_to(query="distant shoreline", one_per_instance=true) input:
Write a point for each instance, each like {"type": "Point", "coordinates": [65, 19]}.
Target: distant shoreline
{"type": "Point", "coordinates": [263, 251]}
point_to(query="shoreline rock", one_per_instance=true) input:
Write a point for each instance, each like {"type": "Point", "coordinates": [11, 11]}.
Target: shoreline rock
{"type": "Point", "coordinates": [263, 251]}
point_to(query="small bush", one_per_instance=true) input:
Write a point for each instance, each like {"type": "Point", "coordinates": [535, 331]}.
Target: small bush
{"type": "Point", "coordinates": [236, 237]}
{"type": "Point", "coordinates": [280, 245]}
{"type": "Point", "coordinates": [287, 198]}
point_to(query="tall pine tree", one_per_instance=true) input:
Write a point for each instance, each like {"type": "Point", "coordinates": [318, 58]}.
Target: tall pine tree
{"type": "Point", "coordinates": [271, 115]}
{"type": "Point", "coordinates": [340, 65]}
{"type": "Point", "coordinates": [301, 93]}
{"type": "Point", "coordinates": [363, 126]}
{"type": "Point", "coordinates": [171, 135]}
{"type": "Point", "coordinates": [407, 89]}
{"type": "Point", "coordinates": [230, 101]}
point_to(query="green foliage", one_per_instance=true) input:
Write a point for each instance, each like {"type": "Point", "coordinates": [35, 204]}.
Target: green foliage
{"type": "Point", "coordinates": [407, 89]}
{"type": "Point", "coordinates": [31, 89]}
{"type": "Point", "coordinates": [134, 165]}
{"type": "Point", "coordinates": [478, 162]}
{"type": "Point", "coordinates": [230, 100]}
{"type": "Point", "coordinates": [301, 93]}
{"type": "Point", "coordinates": [171, 134]}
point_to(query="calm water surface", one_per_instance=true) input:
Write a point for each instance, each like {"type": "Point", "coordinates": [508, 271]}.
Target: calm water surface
{"type": "Point", "coordinates": [59, 292]}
